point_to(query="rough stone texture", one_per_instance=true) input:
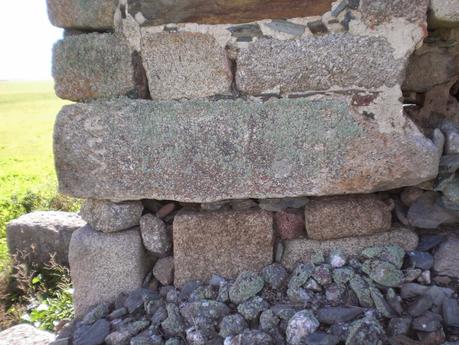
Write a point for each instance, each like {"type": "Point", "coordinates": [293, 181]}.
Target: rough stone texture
{"type": "Point", "coordinates": [86, 15]}
{"type": "Point", "coordinates": [185, 65]}
{"type": "Point", "coordinates": [38, 235]}
{"type": "Point", "coordinates": [164, 270]}
{"type": "Point", "coordinates": [104, 265]}
{"type": "Point", "coordinates": [289, 224]}
{"type": "Point", "coordinates": [155, 235]}
{"type": "Point", "coordinates": [446, 258]}
{"type": "Point", "coordinates": [222, 242]}
{"type": "Point", "coordinates": [345, 216]}
{"type": "Point", "coordinates": [381, 11]}
{"type": "Point", "coordinates": [92, 66]}
{"type": "Point", "coordinates": [279, 148]}
{"type": "Point", "coordinates": [25, 335]}
{"type": "Point", "coordinates": [215, 11]}
{"type": "Point", "coordinates": [302, 250]}
{"type": "Point", "coordinates": [335, 60]}
{"type": "Point", "coordinates": [444, 13]}
{"type": "Point", "coordinates": [107, 216]}
{"type": "Point", "coordinates": [437, 67]}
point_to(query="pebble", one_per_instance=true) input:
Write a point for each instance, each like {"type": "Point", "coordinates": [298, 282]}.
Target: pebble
{"type": "Point", "coordinates": [91, 334]}
{"type": "Point", "coordinates": [321, 338]}
{"type": "Point", "coordinates": [399, 326]}
{"type": "Point", "coordinates": [274, 275]}
{"type": "Point", "coordinates": [232, 325]}
{"type": "Point", "coordinates": [247, 285]}
{"type": "Point", "coordinates": [300, 275]}
{"type": "Point", "coordinates": [332, 315]}
{"type": "Point", "coordinates": [300, 326]}
{"type": "Point", "coordinates": [422, 260]}
{"type": "Point", "coordinates": [365, 332]}
{"type": "Point", "coordinates": [429, 322]}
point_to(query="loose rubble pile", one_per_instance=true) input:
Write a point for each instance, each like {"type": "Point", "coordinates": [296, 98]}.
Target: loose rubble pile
{"type": "Point", "coordinates": [383, 296]}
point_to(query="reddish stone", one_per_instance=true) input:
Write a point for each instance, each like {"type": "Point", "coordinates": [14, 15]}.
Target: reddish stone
{"type": "Point", "coordinates": [290, 224]}
{"type": "Point", "coordinates": [166, 210]}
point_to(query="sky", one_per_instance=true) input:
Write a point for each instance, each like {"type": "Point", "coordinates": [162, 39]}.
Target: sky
{"type": "Point", "coordinates": [26, 40]}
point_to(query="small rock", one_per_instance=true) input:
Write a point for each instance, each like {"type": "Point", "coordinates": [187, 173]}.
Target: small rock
{"type": "Point", "coordinates": [383, 273]}
{"type": "Point", "coordinates": [117, 313]}
{"type": "Point", "coordinates": [410, 290]}
{"type": "Point", "coordinates": [247, 285]}
{"type": "Point", "coordinates": [118, 338]}
{"type": "Point", "coordinates": [317, 27]}
{"type": "Point", "coordinates": [394, 301]}
{"type": "Point", "coordinates": [380, 303]}
{"type": "Point", "coordinates": [447, 257]}
{"type": "Point", "coordinates": [343, 275]}
{"type": "Point", "coordinates": [365, 332]}
{"type": "Point", "coordinates": [428, 242]}
{"type": "Point", "coordinates": [164, 270]}
{"type": "Point", "coordinates": [411, 275]}
{"type": "Point", "coordinates": [451, 312]}
{"type": "Point", "coordinates": [300, 275]}
{"type": "Point", "coordinates": [320, 338]}
{"type": "Point", "coordinates": [239, 205]}
{"type": "Point", "coordinates": [155, 236]}
{"type": "Point", "coordinates": [174, 341]}
{"type": "Point", "coordinates": [173, 325]}
{"type": "Point", "coordinates": [422, 260]}
{"type": "Point", "coordinates": [290, 224]}
{"type": "Point", "coordinates": [166, 210]}
{"type": "Point", "coordinates": [398, 326]}
{"type": "Point", "coordinates": [268, 320]}
{"type": "Point", "coordinates": [207, 309]}
{"type": "Point", "coordinates": [251, 308]}
{"type": "Point", "coordinates": [107, 216]}
{"type": "Point", "coordinates": [95, 314]}
{"type": "Point", "coordinates": [298, 295]}
{"type": "Point", "coordinates": [425, 278]}
{"type": "Point", "coordinates": [360, 288]}
{"type": "Point", "coordinates": [322, 274]}
{"type": "Point", "coordinates": [232, 325]}
{"type": "Point", "coordinates": [409, 195]}
{"type": "Point", "coordinates": [136, 299]}
{"type": "Point", "coordinates": [332, 315]}
{"type": "Point", "coordinates": [311, 284]}
{"type": "Point", "coordinates": [302, 324]}
{"type": "Point", "coordinates": [252, 337]}
{"type": "Point", "coordinates": [420, 306]}
{"type": "Point", "coordinates": [429, 322]}
{"type": "Point", "coordinates": [195, 337]}
{"type": "Point", "coordinates": [286, 27]}
{"type": "Point", "coordinates": [92, 334]}
{"type": "Point", "coordinates": [337, 258]}
{"type": "Point", "coordinates": [274, 275]}
{"type": "Point", "coordinates": [392, 254]}
{"type": "Point", "coordinates": [335, 293]}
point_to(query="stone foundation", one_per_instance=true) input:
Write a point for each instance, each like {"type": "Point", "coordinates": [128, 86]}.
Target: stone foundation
{"type": "Point", "coordinates": [219, 138]}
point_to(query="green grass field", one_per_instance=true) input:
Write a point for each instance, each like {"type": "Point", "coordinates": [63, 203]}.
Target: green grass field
{"type": "Point", "coordinates": [27, 113]}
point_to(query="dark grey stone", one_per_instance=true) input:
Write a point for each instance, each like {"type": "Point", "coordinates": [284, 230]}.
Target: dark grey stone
{"type": "Point", "coordinates": [274, 275]}
{"type": "Point", "coordinates": [429, 322]}
{"type": "Point", "coordinates": [232, 325]}
{"type": "Point", "coordinates": [398, 326]}
{"type": "Point", "coordinates": [451, 312]}
{"type": "Point", "coordinates": [286, 27]}
{"type": "Point", "coordinates": [91, 334]}
{"type": "Point", "coordinates": [422, 260]}
{"type": "Point", "coordinates": [246, 285]}
{"type": "Point", "coordinates": [251, 308]}
{"type": "Point", "coordinates": [366, 331]}
{"type": "Point", "coordinates": [320, 338]}
{"type": "Point", "coordinates": [332, 315]}
{"type": "Point", "coordinates": [420, 306]}
{"type": "Point", "coordinates": [428, 242]}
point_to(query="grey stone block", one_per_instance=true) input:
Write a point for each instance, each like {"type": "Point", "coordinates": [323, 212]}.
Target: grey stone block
{"type": "Point", "coordinates": [90, 66]}
{"type": "Point", "coordinates": [104, 265]}
{"type": "Point", "coordinates": [205, 151]}
{"type": "Point", "coordinates": [185, 65]}
{"type": "Point", "coordinates": [34, 237]}
{"type": "Point", "coordinates": [25, 335]}
{"type": "Point", "coordinates": [107, 216]}
{"type": "Point", "coordinates": [318, 63]}
{"type": "Point", "coordinates": [444, 13]}
{"type": "Point", "coordinates": [85, 15]}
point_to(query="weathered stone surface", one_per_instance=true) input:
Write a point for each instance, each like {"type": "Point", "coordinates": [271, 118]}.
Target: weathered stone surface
{"type": "Point", "coordinates": [345, 216]}
{"type": "Point", "coordinates": [289, 224]}
{"type": "Point", "coordinates": [447, 257]}
{"type": "Point", "coordinates": [86, 15]}
{"type": "Point", "coordinates": [25, 335]}
{"type": "Point", "coordinates": [366, 62]}
{"type": "Point", "coordinates": [301, 250]}
{"type": "Point", "coordinates": [155, 235]}
{"type": "Point", "coordinates": [185, 65]}
{"type": "Point", "coordinates": [38, 235]}
{"type": "Point", "coordinates": [279, 148]}
{"type": "Point", "coordinates": [207, 243]}
{"type": "Point", "coordinates": [104, 265]}
{"type": "Point", "coordinates": [107, 216]}
{"type": "Point", "coordinates": [444, 13]}
{"type": "Point", "coordinates": [92, 66]}
{"type": "Point", "coordinates": [437, 67]}
{"type": "Point", "coordinates": [381, 11]}
{"type": "Point", "coordinates": [215, 12]}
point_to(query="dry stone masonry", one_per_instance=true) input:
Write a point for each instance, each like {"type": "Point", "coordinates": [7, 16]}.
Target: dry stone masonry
{"type": "Point", "coordinates": [259, 172]}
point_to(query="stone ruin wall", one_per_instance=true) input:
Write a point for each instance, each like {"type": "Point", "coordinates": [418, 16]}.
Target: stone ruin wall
{"type": "Point", "coordinates": [217, 137]}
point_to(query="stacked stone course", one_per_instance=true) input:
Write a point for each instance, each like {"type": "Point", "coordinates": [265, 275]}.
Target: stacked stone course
{"type": "Point", "coordinates": [217, 139]}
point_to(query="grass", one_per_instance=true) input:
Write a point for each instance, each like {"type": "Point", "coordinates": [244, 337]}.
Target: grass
{"type": "Point", "coordinates": [27, 182]}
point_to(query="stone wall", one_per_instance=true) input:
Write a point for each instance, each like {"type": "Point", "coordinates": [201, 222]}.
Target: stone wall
{"type": "Point", "coordinates": [218, 137]}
